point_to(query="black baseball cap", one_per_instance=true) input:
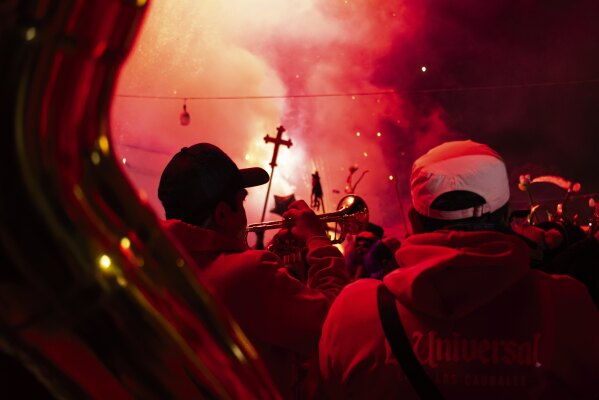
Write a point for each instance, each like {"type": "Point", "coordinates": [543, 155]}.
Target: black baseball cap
{"type": "Point", "coordinates": [198, 177]}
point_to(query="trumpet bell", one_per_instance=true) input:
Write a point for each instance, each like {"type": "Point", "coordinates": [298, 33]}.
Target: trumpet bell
{"type": "Point", "coordinates": [351, 217]}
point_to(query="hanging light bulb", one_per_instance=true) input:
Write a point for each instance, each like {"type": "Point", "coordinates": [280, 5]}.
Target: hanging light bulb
{"type": "Point", "coordinates": [184, 118]}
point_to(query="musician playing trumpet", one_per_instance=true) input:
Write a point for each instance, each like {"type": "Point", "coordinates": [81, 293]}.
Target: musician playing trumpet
{"type": "Point", "coordinates": [203, 192]}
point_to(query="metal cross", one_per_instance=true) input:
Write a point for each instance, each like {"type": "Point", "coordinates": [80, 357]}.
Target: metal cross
{"type": "Point", "coordinates": [278, 141]}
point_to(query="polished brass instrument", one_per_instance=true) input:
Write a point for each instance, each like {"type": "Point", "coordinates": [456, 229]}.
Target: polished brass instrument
{"type": "Point", "coordinates": [351, 217]}
{"type": "Point", "coordinates": [97, 302]}
{"type": "Point", "coordinates": [560, 218]}
{"type": "Point", "coordinates": [559, 214]}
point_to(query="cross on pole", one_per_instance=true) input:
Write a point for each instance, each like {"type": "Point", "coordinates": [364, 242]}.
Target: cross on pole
{"type": "Point", "coordinates": [278, 141]}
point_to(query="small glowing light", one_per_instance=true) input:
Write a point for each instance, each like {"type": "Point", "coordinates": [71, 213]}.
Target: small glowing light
{"type": "Point", "coordinates": [95, 158]}
{"type": "Point", "coordinates": [378, 134]}
{"type": "Point", "coordinates": [141, 3]}
{"type": "Point", "coordinates": [247, 157]}
{"type": "Point", "coordinates": [378, 100]}
{"type": "Point", "coordinates": [237, 351]}
{"type": "Point", "coordinates": [143, 196]}
{"type": "Point", "coordinates": [105, 262]}
{"type": "Point", "coordinates": [121, 281]}
{"type": "Point", "coordinates": [125, 243]}
{"type": "Point", "coordinates": [30, 34]}
{"type": "Point", "coordinates": [423, 69]}
{"type": "Point", "coordinates": [297, 76]}
{"type": "Point", "coordinates": [353, 97]}
{"type": "Point", "coordinates": [78, 192]}
{"type": "Point", "coordinates": [365, 154]}
{"type": "Point", "coordinates": [357, 133]}
{"type": "Point", "coordinates": [180, 263]}
{"type": "Point", "coordinates": [124, 160]}
{"type": "Point", "coordinates": [390, 177]}
{"type": "Point", "coordinates": [103, 144]}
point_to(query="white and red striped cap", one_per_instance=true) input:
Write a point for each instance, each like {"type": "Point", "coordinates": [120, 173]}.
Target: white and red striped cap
{"type": "Point", "coordinates": [460, 165]}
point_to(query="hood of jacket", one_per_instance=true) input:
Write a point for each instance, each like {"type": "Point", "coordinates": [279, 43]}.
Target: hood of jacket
{"type": "Point", "coordinates": [202, 242]}
{"type": "Point", "coordinates": [450, 274]}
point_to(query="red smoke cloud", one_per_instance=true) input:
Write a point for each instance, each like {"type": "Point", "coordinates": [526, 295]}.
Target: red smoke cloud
{"type": "Point", "coordinates": [276, 48]}
{"type": "Point", "coordinates": [269, 48]}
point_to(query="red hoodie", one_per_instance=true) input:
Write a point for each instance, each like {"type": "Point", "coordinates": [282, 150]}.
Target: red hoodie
{"type": "Point", "coordinates": [280, 315]}
{"type": "Point", "coordinates": [482, 323]}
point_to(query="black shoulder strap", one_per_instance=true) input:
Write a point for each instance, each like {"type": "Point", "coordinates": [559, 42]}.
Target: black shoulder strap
{"type": "Point", "coordinates": [398, 340]}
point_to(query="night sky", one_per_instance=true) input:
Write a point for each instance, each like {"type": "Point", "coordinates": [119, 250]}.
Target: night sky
{"type": "Point", "coordinates": [495, 73]}
{"type": "Point", "coordinates": [551, 129]}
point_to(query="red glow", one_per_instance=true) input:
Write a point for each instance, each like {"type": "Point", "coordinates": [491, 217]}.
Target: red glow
{"type": "Point", "coordinates": [262, 47]}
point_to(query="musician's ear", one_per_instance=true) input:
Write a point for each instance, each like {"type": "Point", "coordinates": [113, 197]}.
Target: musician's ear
{"type": "Point", "coordinates": [221, 213]}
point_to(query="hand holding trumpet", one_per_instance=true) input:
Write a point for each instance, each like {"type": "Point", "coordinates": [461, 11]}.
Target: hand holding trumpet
{"type": "Point", "coordinates": [306, 223]}
{"type": "Point", "coordinates": [351, 217]}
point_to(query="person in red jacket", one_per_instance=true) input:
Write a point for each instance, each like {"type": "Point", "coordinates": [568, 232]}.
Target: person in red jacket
{"type": "Point", "coordinates": [202, 192]}
{"type": "Point", "coordinates": [480, 323]}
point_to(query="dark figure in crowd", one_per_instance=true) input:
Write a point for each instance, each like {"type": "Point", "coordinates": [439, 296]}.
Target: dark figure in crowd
{"type": "Point", "coordinates": [355, 253]}
{"type": "Point", "coordinates": [563, 249]}
{"type": "Point", "coordinates": [478, 321]}
{"type": "Point", "coordinates": [580, 261]}
{"type": "Point", "coordinates": [316, 200]}
{"type": "Point", "coordinates": [370, 254]}
{"type": "Point", "coordinates": [380, 258]}
{"type": "Point", "coordinates": [203, 192]}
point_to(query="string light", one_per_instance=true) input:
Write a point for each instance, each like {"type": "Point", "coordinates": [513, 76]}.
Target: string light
{"type": "Point", "coordinates": [125, 243]}
{"type": "Point", "coordinates": [105, 262]}
{"type": "Point", "coordinates": [378, 134]}
{"type": "Point", "coordinates": [358, 134]}
{"type": "Point", "coordinates": [423, 69]}
{"type": "Point", "coordinates": [391, 177]}
{"type": "Point", "coordinates": [104, 144]}
{"type": "Point", "coordinates": [354, 95]}
{"type": "Point", "coordinates": [95, 156]}
{"type": "Point", "coordinates": [30, 34]}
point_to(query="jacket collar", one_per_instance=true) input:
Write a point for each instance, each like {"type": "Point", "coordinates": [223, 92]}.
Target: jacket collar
{"type": "Point", "coordinates": [196, 239]}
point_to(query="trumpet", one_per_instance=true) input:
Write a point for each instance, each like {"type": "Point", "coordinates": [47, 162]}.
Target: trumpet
{"type": "Point", "coordinates": [351, 217]}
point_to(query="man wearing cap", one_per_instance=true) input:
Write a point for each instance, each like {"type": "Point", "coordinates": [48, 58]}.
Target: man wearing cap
{"type": "Point", "coordinates": [354, 255]}
{"type": "Point", "coordinates": [478, 323]}
{"type": "Point", "coordinates": [202, 192]}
